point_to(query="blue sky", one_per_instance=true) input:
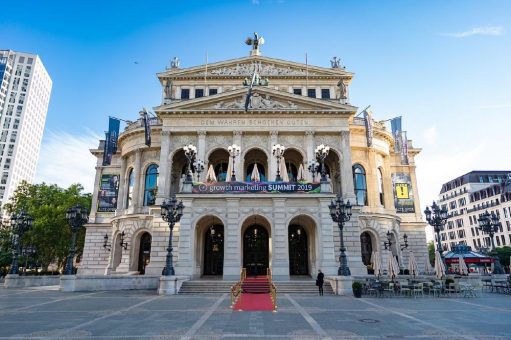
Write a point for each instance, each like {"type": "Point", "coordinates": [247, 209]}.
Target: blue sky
{"type": "Point", "coordinates": [444, 65]}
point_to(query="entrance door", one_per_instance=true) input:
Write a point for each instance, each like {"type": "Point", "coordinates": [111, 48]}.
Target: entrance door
{"type": "Point", "coordinates": [255, 250]}
{"type": "Point", "coordinates": [214, 250]}
{"type": "Point", "coordinates": [298, 256]}
{"type": "Point", "coordinates": [144, 253]}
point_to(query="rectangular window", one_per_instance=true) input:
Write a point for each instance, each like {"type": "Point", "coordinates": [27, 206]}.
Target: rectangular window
{"type": "Point", "coordinates": [508, 226]}
{"type": "Point", "coordinates": [503, 240]}
{"type": "Point", "coordinates": [311, 93]}
{"type": "Point", "coordinates": [297, 91]}
{"type": "Point", "coordinates": [185, 93]}
{"type": "Point", "coordinates": [325, 93]}
{"type": "Point", "coordinates": [199, 93]}
{"type": "Point", "coordinates": [30, 60]}
{"type": "Point", "coordinates": [213, 91]}
{"type": "Point", "coordinates": [21, 60]}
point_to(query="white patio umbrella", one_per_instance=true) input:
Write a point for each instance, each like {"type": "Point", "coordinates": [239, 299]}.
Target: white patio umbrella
{"type": "Point", "coordinates": [301, 173]}
{"type": "Point", "coordinates": [439, 266]}
{"type": "Point", "coordinates": [255, 174]}
{"type": "Point", "coordinates": [283, 170]}
{"type": "Point", "coordinates": [376, 262]}
{"type": "Point", "coordinates": [210, 176]}
{"type": "Point", "coordinates": [427, 266]}
{"type": "Point", "coordinates": [413, 268]}
{"type": "Point", "coordinates": [462, 265]}
{"type": "Point", "coordinates": [229, 170]}
{"type": "Point", "coordinates": [393, 266]}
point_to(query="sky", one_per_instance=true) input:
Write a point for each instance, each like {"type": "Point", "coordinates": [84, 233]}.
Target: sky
{"type": "Point", "coordinates": [445, 66]}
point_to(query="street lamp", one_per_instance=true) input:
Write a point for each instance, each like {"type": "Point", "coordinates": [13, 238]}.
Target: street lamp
{"type": "Point", "coordinates": [171, 212]}
{"type": "Point", "coordinates": [313, 168]}
{"type": "Point", "coordinates": [341, 213]}
{"type": "Point", "coordinates": [437, 218]}
{"type": "Point", "coordinates": [489, 224]}
{"type": "Point", "coordinates": [234, 151]}
{"type": "Point", "coordinates": [321, 153]}
{"type": "Point", "coordinates": [278, 151]}
{"type": "Point", "coordinates": [20, 223]}
{"type": "Point", "coordinates": [76, 217]}
{"type": "Point", "coordinates": [190, 153]}
{"type": "Point", "coordinates": [199, 167]}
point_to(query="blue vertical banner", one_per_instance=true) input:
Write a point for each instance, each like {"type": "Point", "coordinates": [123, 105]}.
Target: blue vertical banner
{"type": "Point", "coordinates": [147, 127]}
{"type": "Point", "coordinates": [107, 150]}
{"type": "Point", "coordinates": [395, 124]}
{"type": "Point", "coordinates": [113, 132]}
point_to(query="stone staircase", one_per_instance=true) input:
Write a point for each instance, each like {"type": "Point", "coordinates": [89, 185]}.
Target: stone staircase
{"type": "Point", "coordinates": [259, 285]}
{"type": "Point", "coordinates": [307, 287]}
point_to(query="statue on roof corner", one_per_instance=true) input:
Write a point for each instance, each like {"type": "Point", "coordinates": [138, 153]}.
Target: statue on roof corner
{"type": "Point", "coordinates": [255, 42]}
{"type": "Point", "coordinates": [336, 62]}
{"type": "Point", "coordinates": [174, 63]}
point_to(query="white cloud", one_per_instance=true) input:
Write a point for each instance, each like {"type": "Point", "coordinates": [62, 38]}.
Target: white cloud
{"type": "Point", "coordinates": [487, 30]}
{"type": "Point", "coordinates": [430, 135]}
{"type": "Point", "coordinates": [65, 159]}
{"type": "Point", "coordinates": [255, 2]}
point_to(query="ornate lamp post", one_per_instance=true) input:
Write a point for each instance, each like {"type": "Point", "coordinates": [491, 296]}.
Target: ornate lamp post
{"type": "Point", "coordinates": [388, 244]}
{"type": "Point", "coordinates": [190, 153]}
{"type": "Point", "coordinates": [234, 151]}
{"type": "Point", "coordinates": [321, 154]}
{"type": "Point", "coordinates": [341, 213]}
{"type": "Point", "coordinates": [171, 212]}
{"type": "Point", "coordinates": [199, 167]}
{"type": "Point", "coordinates": [489, 224]}
{"type": "Point", "coordinates": [76, 217]}
{"type": "Point", "coordinates": [20, 223]}
{"type": "Point", "coordinates": [278, 151]}
{"type": "Point", "coordinates": [436, 218]}
{"type": "Point", "coordinates": [313, 168]}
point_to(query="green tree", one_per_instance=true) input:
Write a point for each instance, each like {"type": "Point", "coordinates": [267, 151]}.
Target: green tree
{"type": "Point", "coordinates": [431, 252]}
{"type": "Point", "coordinates": [5, 249]}
{"type": "Point", "coordinates": [47, 205]}
{"type": "Point", "coordinates": [503, 253]}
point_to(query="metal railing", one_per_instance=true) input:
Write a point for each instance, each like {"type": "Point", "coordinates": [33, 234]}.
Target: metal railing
{"type": "Point", "coordinates": [236, 288]}
{"type": "Point", "coordinates": [273, 289]}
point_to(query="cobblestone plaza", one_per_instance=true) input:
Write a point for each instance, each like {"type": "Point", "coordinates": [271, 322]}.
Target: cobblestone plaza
{"type": "Point", "coordinates": [48, 314]}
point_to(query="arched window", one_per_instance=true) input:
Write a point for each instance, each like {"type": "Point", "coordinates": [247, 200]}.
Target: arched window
{"type": "Point", "coordinates": [380, 186]}
{"type": "Point", "coordinates": [359, 181]}
{"type": "Point", "coordinates": [151, 177]}
{"type": "Point", "coordinates": [131, 184]}
{"type": "Point", "coordinates": [221, 172]}
{"type": "Point", "coordinates": [260, 168]}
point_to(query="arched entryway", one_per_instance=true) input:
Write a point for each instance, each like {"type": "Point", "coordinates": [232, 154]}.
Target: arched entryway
{"type": "Point", "coordinates": [144, 252]}
{"type": "Point", "coordinates": [255, 250]}
{"type": "Point", "coordinates": [367, 246]}
{"type": "Point", "coordinates": [219, 160]}
{"type": "Point", "coordinates": [214, 250]}
{"type": "Point", "coordinates": [332, 169]}
{"type": "Point", "coordinates": [178, 172]}
{"type": "Point", "coordinates": [298, 250]}
{"type": "Point", "coordinates": [117, 252]}
{"type": "Point", "coordinates": [293, 159]}
{"type": "Point", "coordinates": [253, 157]}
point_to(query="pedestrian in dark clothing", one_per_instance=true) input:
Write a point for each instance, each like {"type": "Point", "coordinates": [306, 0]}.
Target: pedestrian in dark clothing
{"type": "Point", "coordinates": [319, 281]}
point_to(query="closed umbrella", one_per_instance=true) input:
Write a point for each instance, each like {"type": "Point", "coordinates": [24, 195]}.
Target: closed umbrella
{"type": "Point", "coordinates": [283, 170]}
{"type": "Point", "coordinates": [301, 173]}
{"type": "Point", "coordinates": [427, 266]}
{"type": "Point", "coordinates": [462, 265]}
{"type": "Point", "coordinates": [376, 262]}
{"type": "Point", "coordinates": [229, 170]}
{"type": "Point", "coordinates": [413, 268]}
{"type": "Point", "coordinates": [393, 266]}
{"type": "Point", "coordinates": [439, 266]}
{"type": "Point", "coordinates": [255, 177]}
{"type": "Point", "coordinates": [210, 176]}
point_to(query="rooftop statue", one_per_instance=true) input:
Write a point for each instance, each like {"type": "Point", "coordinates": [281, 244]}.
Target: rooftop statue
{"type": "Point", "coordinates": [255, 42]}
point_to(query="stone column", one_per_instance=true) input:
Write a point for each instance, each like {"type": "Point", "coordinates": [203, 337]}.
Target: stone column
{"type": "Point", "coordinates": [94, 203]}
{"type": "Point", "coordinates": [163, 167]}
{"type": "Point", "coordinates": [272, 164]}
{"type": "Point", "coordinates": [388, 194]}
{"type": "Point", "coordinates": [136, 186]}
{"type": "Point", "coordinates": [238, 167]}
{"type": "Point", "coordinates": [373, 195]}
{"type": "Point", "coordinates": [347, 188]}
{"type": "Point", "coordinates": [201, 151]}
{"type": "Point", "coordinates": [309, 145]}
{"type": "Point", "coordinates": [327, 254]}
{"type": "Point", "coordinates": [232, 241]}
{"type": "Point", "coordinates": [279, 241]}
{"type": "Point", "coordinates": [182, 239]}
{"type": "Point", "coordinates": [121, 196]}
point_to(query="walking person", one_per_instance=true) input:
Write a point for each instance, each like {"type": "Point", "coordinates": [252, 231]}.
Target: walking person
{"type": "Point", "coordinates": [319, 281]}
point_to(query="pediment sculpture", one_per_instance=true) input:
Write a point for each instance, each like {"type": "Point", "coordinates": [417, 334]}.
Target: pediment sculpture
{"type": "Point", "coordinates": [247, 69]}
{"type": "Point", "coordinates": [256, 102]}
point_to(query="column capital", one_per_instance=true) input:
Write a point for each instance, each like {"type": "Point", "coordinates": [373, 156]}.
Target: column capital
{"type": "Point", "coordinates": [201, 133]}
{"type": "Point", "coordinates": [309, 133]}
{"type": "Point", "coordinates": [237, 133]}
{"type": "Point", "coordinates": [274, 133]}
{"type": "Point", "coordinates": [165, 133]}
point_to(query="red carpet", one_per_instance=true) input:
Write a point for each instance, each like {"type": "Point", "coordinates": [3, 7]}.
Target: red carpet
{"type": "Point", "coordinates": [253, 302]}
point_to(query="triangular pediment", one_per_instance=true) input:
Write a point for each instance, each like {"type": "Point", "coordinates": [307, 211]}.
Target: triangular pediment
{"type": "Point", "coordinates": [262, 99]}
{"type": "Point", "coordinates": [266, 67]}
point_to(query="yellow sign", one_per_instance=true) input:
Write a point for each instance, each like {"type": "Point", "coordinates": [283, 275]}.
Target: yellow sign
{"type": "Point", "coordinates": [402, 191]}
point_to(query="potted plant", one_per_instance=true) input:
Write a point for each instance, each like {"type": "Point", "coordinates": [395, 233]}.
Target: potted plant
{"type": "Point", "coordinates": [357, 289]}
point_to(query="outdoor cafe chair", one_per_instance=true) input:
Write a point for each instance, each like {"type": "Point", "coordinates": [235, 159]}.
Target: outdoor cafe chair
{"type": "Point", "coordinates": [404, 288]}
{"type": "Point", "coordinates": [418, 289]}
{"type": "Point", "coordinates": [436, 288]}
{"type": "Point", "coordinates": [390, 289]}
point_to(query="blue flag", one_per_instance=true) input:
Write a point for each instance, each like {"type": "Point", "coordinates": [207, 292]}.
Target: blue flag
{"type": "Point", "coordinates": [395, 124]}
{"type": "Point", "coordinates": [113, 133]}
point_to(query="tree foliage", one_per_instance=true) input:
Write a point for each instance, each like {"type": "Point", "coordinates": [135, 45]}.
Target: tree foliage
{"type": "Point", "coordinates": [504, 253]}
{"type": "Point", "coordinates": [431, 252]}
{"type": "Point", "coordinates": [47, 205]}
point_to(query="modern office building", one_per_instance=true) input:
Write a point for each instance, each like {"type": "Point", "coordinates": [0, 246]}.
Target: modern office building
{"type": "Point", "coordinates": [256, 221]}
{"type": "Point", "coordinates": [24, 96]}
{"type": "Point", "coordinates": [466, 198]}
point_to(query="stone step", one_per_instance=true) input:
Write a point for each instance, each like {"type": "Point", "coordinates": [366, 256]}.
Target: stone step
{"type": "Point", "coordinates": [216, 287]}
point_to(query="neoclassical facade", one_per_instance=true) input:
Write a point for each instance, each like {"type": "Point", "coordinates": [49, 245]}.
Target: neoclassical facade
{"type": "Point", "coordinates": [285, 226]}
